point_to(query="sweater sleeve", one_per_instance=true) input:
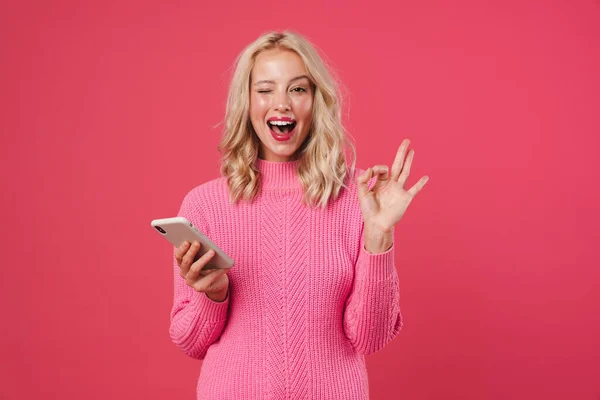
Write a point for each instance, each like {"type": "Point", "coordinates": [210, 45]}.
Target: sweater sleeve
{"type": "Point", "coordinates": [196, 321]}
{"type": "Point", "coordinates": [372, 316]}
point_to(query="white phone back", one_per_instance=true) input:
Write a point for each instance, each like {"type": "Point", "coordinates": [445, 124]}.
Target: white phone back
{"type": "Point", "coordinates": [178, 229]}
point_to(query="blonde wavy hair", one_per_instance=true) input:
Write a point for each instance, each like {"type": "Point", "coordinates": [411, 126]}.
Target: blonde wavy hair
{"type": "Point", "coordinates": [322, 168]}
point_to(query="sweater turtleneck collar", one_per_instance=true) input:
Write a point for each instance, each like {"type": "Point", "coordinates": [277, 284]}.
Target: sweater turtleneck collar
{"type": "Point", "coordinates": [279, 175]}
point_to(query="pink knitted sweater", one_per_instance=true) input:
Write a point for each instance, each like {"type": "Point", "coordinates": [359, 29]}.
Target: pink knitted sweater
{"type": "Point", "coordinates": [306, 300]}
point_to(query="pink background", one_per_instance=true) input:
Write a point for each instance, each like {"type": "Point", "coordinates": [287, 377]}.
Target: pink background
{"type": "Point", "coordinates": [108, 114]}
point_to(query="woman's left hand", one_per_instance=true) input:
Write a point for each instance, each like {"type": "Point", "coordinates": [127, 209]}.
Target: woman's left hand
{"type": "Point", "coordinates": [385, 204]}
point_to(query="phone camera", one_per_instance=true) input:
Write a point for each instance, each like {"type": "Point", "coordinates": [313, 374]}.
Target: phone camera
{"type": "Point", "coordinates": [161, 230]}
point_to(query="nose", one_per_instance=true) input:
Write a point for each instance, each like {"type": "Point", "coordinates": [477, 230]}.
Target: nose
{"type": "Point", "coordinates": [282, 102]}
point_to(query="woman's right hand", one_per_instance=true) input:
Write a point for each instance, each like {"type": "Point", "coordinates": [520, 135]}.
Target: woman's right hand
{"type": "Point", "coordinates": [215, 284]}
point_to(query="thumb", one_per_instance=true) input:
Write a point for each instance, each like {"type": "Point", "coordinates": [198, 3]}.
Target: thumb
{"type": "Point", "coordinates": [363, 182]}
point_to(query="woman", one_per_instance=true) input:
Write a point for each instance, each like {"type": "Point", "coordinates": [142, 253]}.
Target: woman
{"type": "Point", "coordinates": [314, 287]}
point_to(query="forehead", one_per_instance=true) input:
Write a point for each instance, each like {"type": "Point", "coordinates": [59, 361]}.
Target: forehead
{"type": "Point", "coordinates": [277, 65]}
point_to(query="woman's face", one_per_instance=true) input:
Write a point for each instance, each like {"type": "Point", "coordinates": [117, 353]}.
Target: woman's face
{"type": "Point", "coordinates": [281, 99]}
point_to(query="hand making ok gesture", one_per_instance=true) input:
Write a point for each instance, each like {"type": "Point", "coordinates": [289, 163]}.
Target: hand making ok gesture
{"type": "Point", "coordinates": [386, 202]}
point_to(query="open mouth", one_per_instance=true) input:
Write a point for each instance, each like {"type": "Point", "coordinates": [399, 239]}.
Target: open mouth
{"type": "Point", "coordinates": [281, 127]}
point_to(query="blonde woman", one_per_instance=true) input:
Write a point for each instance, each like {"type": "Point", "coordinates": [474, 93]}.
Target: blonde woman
{"type": "Point", "coordinates": [314, 287]}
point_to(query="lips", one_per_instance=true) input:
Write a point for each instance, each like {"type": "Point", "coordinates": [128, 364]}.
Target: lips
{"type": "Point", "coordinates": [282, 128]}
{"type": "Point", "coordinates": [286, 119]}
{"type": "Point", "coordinates": [281, 125]}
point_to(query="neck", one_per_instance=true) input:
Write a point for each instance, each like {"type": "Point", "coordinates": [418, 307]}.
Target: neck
{"type": "Point", "coordinates": [278, 175]}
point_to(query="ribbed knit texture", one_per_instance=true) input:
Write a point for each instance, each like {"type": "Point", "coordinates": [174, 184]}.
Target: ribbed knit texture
{"type": "Point", "coordinates": [306, 300]}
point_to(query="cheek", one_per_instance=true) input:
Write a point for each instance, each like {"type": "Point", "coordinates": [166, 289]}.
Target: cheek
{"type": "Point", "coordinates": [258, 107]}
{"type": "Point", "coordinates": [303, 107]}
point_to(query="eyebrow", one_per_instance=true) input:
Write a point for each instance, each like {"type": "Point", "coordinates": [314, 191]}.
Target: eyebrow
{"type": "Point", "coordinates": [291, 80]}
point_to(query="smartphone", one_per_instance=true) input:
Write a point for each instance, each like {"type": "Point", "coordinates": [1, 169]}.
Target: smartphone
{"type": "Point", "coordinates": [178, 229]}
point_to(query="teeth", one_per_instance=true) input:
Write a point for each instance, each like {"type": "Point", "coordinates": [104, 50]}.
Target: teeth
{"type": "Point", "coordinates": [281, 123]}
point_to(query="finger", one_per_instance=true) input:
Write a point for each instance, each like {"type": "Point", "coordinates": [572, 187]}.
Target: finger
{"type": "Point", "coordinates": [363, 182]}
{"type": "Point", "coordinates": [197, 266]}
{"type": "Point", "coordinates": [382, 175]}
{"type": "Point", "coordinates": [382, 172]}
{"type": "Point", "coordinates": [206, 284]}
{"type": "Point", "coordinates": [399, 160]}
{"type": "Point", "coordinates": [180, 251]}
{"type": "Point", "coordinates": [188, 258]}
{"type": "Point", "coordinates": [406, 169]}
{"type": "Point", "coordinates": [418, 186]}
